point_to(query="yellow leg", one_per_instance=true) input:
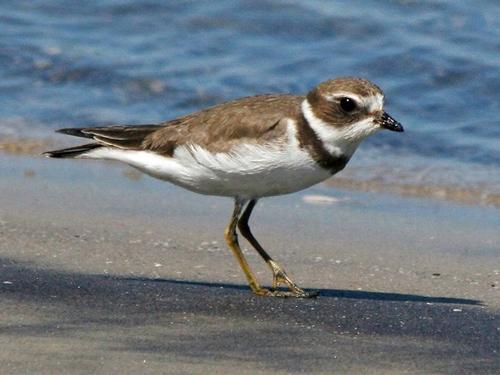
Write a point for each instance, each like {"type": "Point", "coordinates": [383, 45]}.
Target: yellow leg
{"type": "Point", "coordinates": [279, 274]}
{"type": "Point", "coordinates": [280, 277]}
{"type": "Point", "coordinates": [232, 242]}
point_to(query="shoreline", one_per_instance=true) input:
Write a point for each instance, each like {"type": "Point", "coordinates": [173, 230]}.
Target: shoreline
{"type": "Point", "coordinates": [474, 195]}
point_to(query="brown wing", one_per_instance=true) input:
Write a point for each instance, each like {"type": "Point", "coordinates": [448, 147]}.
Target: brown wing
{"type": "Point", "coordinates": [218, 128]}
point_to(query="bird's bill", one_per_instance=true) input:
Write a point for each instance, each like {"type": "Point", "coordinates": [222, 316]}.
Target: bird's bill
{"type": "Point", "coordinates": [387, 122]}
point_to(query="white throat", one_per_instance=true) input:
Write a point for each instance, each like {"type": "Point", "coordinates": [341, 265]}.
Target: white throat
{"type": "Point", "coordinates": [338, 141]}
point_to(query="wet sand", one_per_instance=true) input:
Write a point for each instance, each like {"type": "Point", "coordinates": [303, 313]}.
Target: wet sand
{"type": "Point", "coordinates": [103, 273]}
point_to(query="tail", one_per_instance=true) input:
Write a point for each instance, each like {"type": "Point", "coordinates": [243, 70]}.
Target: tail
{"type": "Point", "coordinates": [72, 152]}
{"type": "Point", "coordinates": [122, 137]}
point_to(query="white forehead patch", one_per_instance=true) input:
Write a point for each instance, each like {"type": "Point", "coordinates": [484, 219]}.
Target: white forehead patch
{"type": "Point", "coordinates": [374, 103]}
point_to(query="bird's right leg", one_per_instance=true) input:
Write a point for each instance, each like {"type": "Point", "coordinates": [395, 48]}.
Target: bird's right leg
{"type": "Point", "coordinates": [279, 274]}
{"type": "Point", "coordinates": [232, 242]}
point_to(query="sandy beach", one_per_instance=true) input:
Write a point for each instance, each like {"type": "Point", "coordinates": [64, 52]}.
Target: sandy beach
{"type": "Point", "coordinates": [105, 270]}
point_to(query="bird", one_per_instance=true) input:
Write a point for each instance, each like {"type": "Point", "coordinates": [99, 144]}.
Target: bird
{"type": "Point", "coordinates": [248, 149]}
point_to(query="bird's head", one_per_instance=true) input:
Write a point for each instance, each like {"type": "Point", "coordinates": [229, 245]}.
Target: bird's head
{"type": "Point", "coordinates": [344, 111]}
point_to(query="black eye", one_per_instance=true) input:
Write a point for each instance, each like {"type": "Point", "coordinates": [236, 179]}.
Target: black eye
{"type": "Point", "coordinates": [347, 104]}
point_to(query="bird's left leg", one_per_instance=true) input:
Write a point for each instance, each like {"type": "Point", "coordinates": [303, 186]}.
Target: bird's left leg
{"type": "Point", "coordinates": [279, 274]}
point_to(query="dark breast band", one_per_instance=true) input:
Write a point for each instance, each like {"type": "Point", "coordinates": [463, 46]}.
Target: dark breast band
{"type": "Point", "coordinates": [309, 140]}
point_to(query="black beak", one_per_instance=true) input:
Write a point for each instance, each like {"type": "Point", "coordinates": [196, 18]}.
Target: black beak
{"type": "Point", "coordinates": [387, 122]}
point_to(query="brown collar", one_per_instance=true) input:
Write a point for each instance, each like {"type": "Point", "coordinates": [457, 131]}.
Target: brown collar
{"type": "Point", "coordinates": [309, 140]}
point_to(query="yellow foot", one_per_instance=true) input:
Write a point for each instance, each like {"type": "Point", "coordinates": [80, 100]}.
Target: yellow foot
{"type": "Point", "coordinates": [281, 278]}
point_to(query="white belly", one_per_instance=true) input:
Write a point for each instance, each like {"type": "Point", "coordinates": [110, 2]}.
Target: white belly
{"type": "Point", "coordinates": [248, 171]}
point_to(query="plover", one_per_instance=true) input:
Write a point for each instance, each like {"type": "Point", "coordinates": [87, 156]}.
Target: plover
{"type": "Point", "coordinates": [247, 149]}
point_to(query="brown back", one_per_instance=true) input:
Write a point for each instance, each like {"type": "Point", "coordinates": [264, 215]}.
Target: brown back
{"type": "Point", "coordinates": [251, 119]}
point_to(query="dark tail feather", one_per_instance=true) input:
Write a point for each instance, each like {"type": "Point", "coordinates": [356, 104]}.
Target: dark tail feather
{"type": "Point", "coordinates": [77, 132]}
{"type": "Point", "coordinates": [71, 152]}
{"type": "Point", "coordinates": [125, 137]}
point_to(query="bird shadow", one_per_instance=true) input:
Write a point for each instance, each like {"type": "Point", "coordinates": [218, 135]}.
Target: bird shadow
{"type": "Point", "coordinates": [197, 320]}
{"type": "Point", "coordinates": [323, 292]}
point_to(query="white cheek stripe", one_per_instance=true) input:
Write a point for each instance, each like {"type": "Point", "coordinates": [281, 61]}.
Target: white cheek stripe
{"type": "Point", "coordinates": [329, 135]}
{"type": "Point", "coordinates": [339, 141]}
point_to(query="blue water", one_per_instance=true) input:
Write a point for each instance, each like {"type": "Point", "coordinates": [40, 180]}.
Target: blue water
{"type": "Point", "coordinates": [69, 63]}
